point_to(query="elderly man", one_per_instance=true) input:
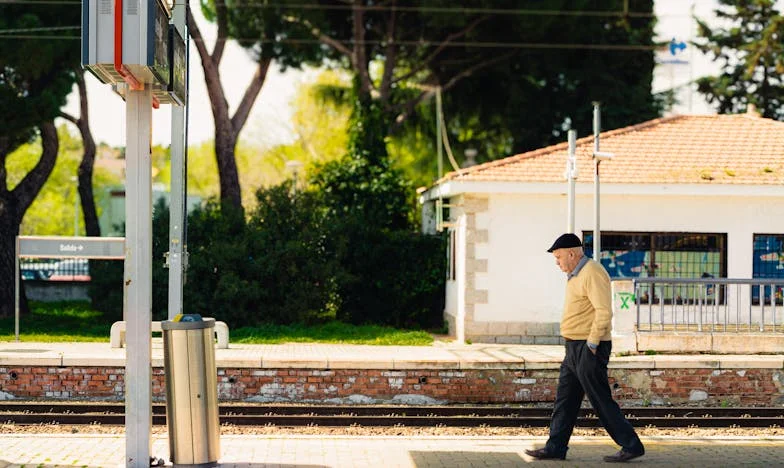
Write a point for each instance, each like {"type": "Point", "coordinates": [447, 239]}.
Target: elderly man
{"type": "Point", "coordinates": [585, 326]}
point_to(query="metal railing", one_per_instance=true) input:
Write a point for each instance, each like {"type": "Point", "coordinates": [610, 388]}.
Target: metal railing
{"type": "Point", "coordinates": [709, 304]}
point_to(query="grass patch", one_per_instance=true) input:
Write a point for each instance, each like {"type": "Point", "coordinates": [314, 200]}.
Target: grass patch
{"type": "Point", "coordinates": [77, 321]}
{"type": "Point", "coordinates": [331, 332]}
{"type": "Point", "coordinates": [58, 321]}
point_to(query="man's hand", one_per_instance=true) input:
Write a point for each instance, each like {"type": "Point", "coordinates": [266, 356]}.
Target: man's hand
{"type": "Point", "coordinates": [593, 350]}
{"type": "Point", "coordinates": [592, 347]}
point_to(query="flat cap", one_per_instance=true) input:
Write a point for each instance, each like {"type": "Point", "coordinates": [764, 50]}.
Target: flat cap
{"type": "Point", "coordinates": [566, 241]}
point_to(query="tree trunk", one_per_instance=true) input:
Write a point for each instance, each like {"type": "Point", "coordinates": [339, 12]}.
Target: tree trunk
{"type": "Point", "coordinates": [227, 127]}
{"type": "Point", "coordinates": [225, 144]}
{"type": "Point", "coordinates": [92, 228]}
{"type": "Point", "coordinates": [13, 206]}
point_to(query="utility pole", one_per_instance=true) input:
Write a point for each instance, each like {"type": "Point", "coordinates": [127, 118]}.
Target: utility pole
{"type": "Point", "coordinates": [598, 157]}
{"type": "Point", "coordinates": [177, 257]}
{"type": "Point", "coordinates": [571, 176]}
{"type": "Point", "coordinates": [137, 279]}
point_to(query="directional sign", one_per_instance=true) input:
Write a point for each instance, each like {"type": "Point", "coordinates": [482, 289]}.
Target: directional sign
{"type": "Point", "coordinates": [109, 248]}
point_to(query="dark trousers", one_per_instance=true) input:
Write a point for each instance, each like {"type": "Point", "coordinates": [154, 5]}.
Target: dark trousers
{"type": "Point", "coordinates": [583, 373]}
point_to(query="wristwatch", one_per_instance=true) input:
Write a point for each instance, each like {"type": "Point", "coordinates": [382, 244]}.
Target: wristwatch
{"type": "Point", "coordinates": [591, 345]}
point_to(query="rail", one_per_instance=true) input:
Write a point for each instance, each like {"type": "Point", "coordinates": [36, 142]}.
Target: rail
{"type": "Point", "coordinates": [37, 413]}
{"type": "Point", "coordinates": [709, 304]}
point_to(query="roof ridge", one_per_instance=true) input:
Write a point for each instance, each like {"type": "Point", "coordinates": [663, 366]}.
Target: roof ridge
{"type": "Point", "coordinates": [552, 148]}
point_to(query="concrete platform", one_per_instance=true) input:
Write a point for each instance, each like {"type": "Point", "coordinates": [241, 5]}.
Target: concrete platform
{"type": "Point", "coordinates": [340, 356]}
{"type": "Point", "coordinates": [85, 450]}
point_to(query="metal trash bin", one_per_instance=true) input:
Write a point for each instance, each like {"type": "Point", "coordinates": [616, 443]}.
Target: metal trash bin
{"type": "Point", "coordinates": [191, 390]}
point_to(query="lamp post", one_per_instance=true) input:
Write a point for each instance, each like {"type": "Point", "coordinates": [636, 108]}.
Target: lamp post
{"type": "Point", "coordinates": [294, 166]}
{"type": "Point", "coordinates": [470, 157]}
{"type": "Point", "coordinates": [571, 176]}
{"type": "Point", "coordinates": [598, 157]}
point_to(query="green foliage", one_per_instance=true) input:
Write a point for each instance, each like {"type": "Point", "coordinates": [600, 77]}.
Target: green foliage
{"type": "Point", "coordinates": [272, 269]}
{"type": "Point", "coordinates": [390, 275]}
{"type": "Point", "coordinates": [52, 212]}
{"type": "Point", "coordinates": [331, 332]}
{"type": "Point", "coordinates": [287, 240]}
{"type": "Point", "coordinates": [393, 278]}
{"type": "Point", "coordinates": [344, 248]}
{"type": "Point", "coordinates": [751, 51]}
{"type": "Point", "coordinates": [533, 97]}
{"type": "Point", "coordinates": [35, 75]}
{"type": "Point", "coordinates": [375, 195]}
{"type": "Point", "coordinates": [259, 29]}
{"type": "Point", "coordinates": [363, 187]}
{"type": "Point", "coordinates": [106, 288]}
{"type": "Point", "coordinates": [290, 263]}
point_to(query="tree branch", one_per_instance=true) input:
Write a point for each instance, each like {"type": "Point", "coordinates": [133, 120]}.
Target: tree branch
{"type": "Point", "coordinates": [443, 45]}
{"type": "Point", "coordinates": [390, 57]}
{"type": "Point", "coordinates": [223, 31]}
{"type": "Point", "coordinates": [316, 32]}
{"type": "Point", "coordinates": [69, 118]}
{"type": "Point", "coordinates": [359, 57]}
{"type": "Point", "coordinates": [408, 108]}
{"type": "Point", "coordinates": [26, 191]}
{"type": "Point", "coordinates": [251, 93]}
{"type": "Point", "coordinates": [220, 107]}
{"type": "Point", "coordinates": [469, 71]}
{"type": "Point", "coordinates": [201, 47]}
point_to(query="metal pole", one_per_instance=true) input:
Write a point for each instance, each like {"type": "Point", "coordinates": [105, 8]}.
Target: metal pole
{"type": "Point", "coordinates": [178, 197]}
{"type": "Point", "coordinates": [439, 142]}
{"type": "Point", "coordinates": [571, 174]}
{"type": "Point", "coordinates": [137, 282]}
{"type": "Point", "coordinates": [16, 289]}
{"type": "Point", "coordinates": [597, 236]}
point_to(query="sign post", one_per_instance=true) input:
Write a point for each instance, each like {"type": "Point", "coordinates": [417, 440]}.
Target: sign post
{"type": "Point", "coordinates": [97, 248]}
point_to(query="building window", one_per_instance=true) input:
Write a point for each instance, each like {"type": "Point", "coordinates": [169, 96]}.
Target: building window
{"type": "Point", "coordinates": [768, 262]}
{"type": "Point", "coordinates": [662, 255]}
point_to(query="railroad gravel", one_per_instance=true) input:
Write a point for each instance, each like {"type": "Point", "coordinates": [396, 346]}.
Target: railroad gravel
{"type": "Point", "coordinates": [399, 431]}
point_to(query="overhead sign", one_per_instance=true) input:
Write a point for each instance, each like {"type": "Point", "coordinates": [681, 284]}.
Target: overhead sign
{"type": "Point", "coordinates": [108, 248]}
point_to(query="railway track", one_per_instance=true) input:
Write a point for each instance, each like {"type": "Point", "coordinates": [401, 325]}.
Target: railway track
{"type": "Point", "coordinates": [29, 413]}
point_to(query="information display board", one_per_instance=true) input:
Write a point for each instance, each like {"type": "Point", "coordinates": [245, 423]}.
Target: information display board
{"type": "Point", "coordinates": [179, 66]}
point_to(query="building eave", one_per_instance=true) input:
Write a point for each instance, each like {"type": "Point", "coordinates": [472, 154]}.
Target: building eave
{"type": "Point", "coordinates": [451, 188]}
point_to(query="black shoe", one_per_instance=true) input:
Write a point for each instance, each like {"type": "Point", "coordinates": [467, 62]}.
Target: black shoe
{"type": "Point", "coordinates": [543, 454]}
{"type": "Point", "coordinates": [622, 456]}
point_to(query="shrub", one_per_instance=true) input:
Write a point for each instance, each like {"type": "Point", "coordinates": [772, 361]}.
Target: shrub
{"type": "Point", "coordinates": [393, 278]}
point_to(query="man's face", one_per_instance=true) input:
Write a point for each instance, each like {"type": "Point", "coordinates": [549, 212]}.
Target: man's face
{"type": "Point", "coordinates": [566, 259]}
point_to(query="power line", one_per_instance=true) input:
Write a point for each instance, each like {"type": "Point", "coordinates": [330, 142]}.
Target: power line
{"type": "Point", "coordinates": [467, 44]}
{"type": "Point", "coordinates": [45, 28]}
{"type": "Point", "coordinates": [403, 9]}
{"type": "Point", "coordinates": [424, 43]}
{"type": "Point", "coordinates": [464, 10]}
{"type": "Point", "coordinates": [30, 36]}
{"type": "Point", "coordinates": [472, 44]}
{"type": "Point", "coordinates": [42, 2]}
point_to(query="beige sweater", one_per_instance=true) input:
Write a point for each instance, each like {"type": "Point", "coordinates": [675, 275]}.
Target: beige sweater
{"type": "Point", "coordinates": [587, 311]}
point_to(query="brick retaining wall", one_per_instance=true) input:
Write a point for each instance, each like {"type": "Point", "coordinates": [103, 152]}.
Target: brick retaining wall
{"type": "Point", "coordinates": [633, 386]}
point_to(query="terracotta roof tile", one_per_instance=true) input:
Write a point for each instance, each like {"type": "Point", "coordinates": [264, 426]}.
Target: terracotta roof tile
{"type": "Point", "coordinates": [691, 149]}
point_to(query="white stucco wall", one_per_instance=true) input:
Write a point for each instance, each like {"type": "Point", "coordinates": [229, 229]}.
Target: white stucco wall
{"type": "Point", "coordinates": [523, 281]}
{"type": "Point", "coordinates": [455, 297]}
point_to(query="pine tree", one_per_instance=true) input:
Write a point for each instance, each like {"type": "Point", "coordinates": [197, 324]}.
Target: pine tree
{"type": "Point", "coordinates": [750, 45]}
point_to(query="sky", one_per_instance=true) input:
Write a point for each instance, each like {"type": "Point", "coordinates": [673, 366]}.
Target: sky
{"type": "Point", "coordinates": [270, 120]}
